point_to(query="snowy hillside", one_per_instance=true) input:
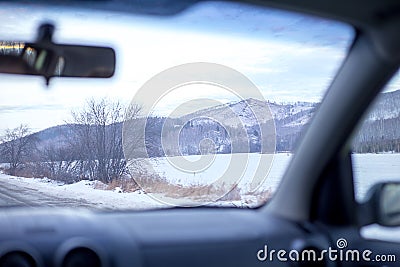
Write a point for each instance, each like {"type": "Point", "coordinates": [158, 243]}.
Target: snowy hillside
{"type": "Point", "coordinates": [253, 111]}
{"type": "Point", "coordinates": [245, 112]}
{"type": "Point", "coordinates": [387, 106]}
{"type": "Point", "coordinates": [240, 122]}
{"type": "Point", "coordinates": [380, 132]}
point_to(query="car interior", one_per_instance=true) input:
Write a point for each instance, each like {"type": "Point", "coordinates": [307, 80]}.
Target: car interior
{"type": "Point", "coordinates": [313, 218]}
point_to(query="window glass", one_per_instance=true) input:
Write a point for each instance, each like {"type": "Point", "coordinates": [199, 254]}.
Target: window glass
{"type": "Point", "coordinates": [376, 150]}
{"type": "Point", "coordinates": [205, 107]}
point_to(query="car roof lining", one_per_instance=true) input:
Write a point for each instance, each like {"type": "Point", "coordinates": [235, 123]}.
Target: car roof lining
{"type": "Point", "coordinates": [372, 12]}
{"type": "Point", "coordinates": [370, 19]}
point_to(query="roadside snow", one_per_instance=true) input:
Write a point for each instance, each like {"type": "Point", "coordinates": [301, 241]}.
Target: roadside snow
{"type": "Point", "coordinates": [86, 191]}
{"type": "Point", "coordinates": [368, 170]}
{"type": "Point", "coordinates": [94, 193]}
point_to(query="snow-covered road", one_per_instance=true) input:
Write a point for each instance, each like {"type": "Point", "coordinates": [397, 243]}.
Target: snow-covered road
{"type": "Point", "coordinates": [13, 194]}
{"type": "Point", "coordinates": [18, 191]}
{"type": "Point", "coordinates": [368, 170]}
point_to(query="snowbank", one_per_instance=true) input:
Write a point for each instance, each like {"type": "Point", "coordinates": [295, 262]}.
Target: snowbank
{"type": "Point", "coordinates": [85, 191]}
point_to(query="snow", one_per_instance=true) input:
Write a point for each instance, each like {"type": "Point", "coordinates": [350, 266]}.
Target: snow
{"type": "Point", "coordinates": [94, 192]}
{"type": "Point", "coordinates": [282, 111]}
{"type": "Point", "coordinates": [251, 111]}
{"type": "Point", "coordinates": [386, 107]}
{"type": "Point", "coordinates": [86, 191]}
{"type": "Point", "coordinates": [218, 165]}
{"type": "Point", "coordinates": [385, 115]}
{"type": "Point", "coordinates": [370, 169]}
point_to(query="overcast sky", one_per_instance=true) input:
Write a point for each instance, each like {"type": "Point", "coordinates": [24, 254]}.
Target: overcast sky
{"type": "Point", "coordinates": [288, 57]}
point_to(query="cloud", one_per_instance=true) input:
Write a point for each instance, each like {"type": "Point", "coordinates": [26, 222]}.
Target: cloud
{"type": "Point", "coordinates": [288, 57]}
{"type": "Point", "coordinates": [12, 109]}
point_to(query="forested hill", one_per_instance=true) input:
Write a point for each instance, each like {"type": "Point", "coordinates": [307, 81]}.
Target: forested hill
{"type": "Point", "coordinates": [214, 123]}
{"type": "Point", "coordinates": [379, 133]}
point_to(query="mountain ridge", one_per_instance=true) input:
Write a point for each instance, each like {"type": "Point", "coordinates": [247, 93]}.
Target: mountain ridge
{"type": "Point", "coordinates": [289, 120]}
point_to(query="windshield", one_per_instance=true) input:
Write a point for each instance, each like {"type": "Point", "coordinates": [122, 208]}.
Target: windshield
{"type": "Point", "coordinates": [205, 107]}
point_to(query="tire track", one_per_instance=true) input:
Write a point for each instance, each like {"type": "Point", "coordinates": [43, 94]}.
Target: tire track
{"type": "Point", "coordinates": [19, 195]}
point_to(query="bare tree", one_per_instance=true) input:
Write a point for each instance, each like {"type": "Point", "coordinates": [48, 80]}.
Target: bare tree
{"type": "Point", "coordinates": [98, 140]}
{"type": "Point", "coordinates": [57, 163]}
{"type": "Point", "coordinates": [17, 145]}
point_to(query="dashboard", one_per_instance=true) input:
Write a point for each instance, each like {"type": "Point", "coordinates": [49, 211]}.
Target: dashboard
{"type": "Point", "coordinates": [173, 237]}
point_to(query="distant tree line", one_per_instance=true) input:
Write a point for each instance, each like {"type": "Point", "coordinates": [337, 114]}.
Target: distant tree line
{"type": "Point", "coordinates": [92, 145]}
{"type": "Point", "coordinates": [378, 136]}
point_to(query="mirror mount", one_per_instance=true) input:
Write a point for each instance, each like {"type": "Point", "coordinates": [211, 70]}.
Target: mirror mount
{"type": "Point", "coordinates": [45, 33]}
{"type": "Point", "coordinates": [44, 42]}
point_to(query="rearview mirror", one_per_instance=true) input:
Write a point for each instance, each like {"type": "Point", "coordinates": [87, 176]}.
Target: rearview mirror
{"type": "Point", "coordinates": [48, 59]}
{"type": "Point", "coordinates": [382, 205]}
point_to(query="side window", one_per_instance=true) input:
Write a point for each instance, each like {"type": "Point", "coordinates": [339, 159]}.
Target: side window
{"type": "Point", "coordinates": [376, 151]}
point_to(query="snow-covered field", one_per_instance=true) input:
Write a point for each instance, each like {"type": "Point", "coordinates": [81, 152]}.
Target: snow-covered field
{"type": "Point", "coordinates": [94, 193]}
{"type": "Point", "coordinates": [243, 168]}
{"type": "Point", "coordinates": [368, 169]}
